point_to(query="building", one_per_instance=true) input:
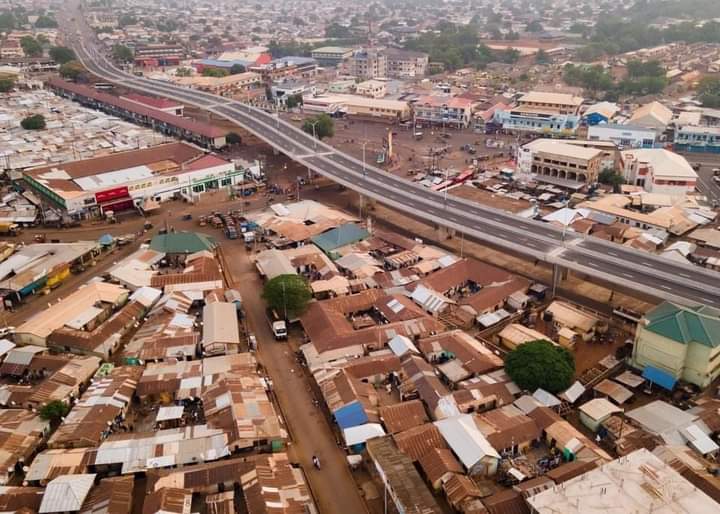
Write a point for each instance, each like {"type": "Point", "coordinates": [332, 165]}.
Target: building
{"type": "Point", "coordinates": [287, 67]}
{"type": "Point", "coordinates": [161, 104]}
{"type": "Point", "coordinates": [681, 341]}
{"type": "Point", "coordinates": [220, 329]}
{"type": "Point", "coordinates": [372, 88]}
{"type": "Point", "coordinates": [624, 136]}
{"type": "Point", "coordinates": [405, 488]}
{"type": "Point", "coordinates": [560, 163]}
{"type": "Point", "coordinates": [697, 138]}
{"type": "Point", "coordinates": [224, 86]}
{"type": "Point", "coordinates": [654, 116]}
{"type": "Point", "coordinates": [132, 179]}
{"type": "Point", "coordinates": [469, 445]}
{"type": "Point", "coordinates": [548, 113]}
{"type": "Point", "coordinates": [638, 482]}
{"type": "Point", "coordinates": [331, 55]}
{"type": "Point", "coordinates": [601, 112]}
{"type": "Point", "coordinates": [281, 91]}
{"type": "Point", "coordinates": [391, 111]}
{"type": "Point", "coordinates": [78, 309]}
{"type": "Point", "coordinates": [184, 128]}
{"type": "Point", "coordinates": [159, 55]}
{"type": "Point", "coordinates": [367, 64]}
{"type": "Point", "coordinates": [21, 433]}
{"type": "Point", "coordinates": [658, 171]}
{"type": "Point", "coordinates": [405, 64]}
{"type": "Point", "coordinates": [443, 110]}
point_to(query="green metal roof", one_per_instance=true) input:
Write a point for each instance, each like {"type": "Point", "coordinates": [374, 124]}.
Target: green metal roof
{"type": "Point", "coordinates": [182, 242]}
{"type": "Point", "coordinates": [685, 324]}
{"type": "Point", "coordinates": [340, 236]}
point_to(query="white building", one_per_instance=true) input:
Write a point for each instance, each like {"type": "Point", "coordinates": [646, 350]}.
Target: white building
{"type": "Point", "coordinates": [654, 116]}
{"type": "Point", "coordinates": [624, 136]}
{"type": "Point", "coordinates": [658, 171]}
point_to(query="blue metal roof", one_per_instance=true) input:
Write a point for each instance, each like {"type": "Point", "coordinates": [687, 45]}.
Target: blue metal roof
{"type": "Point", "coordinates": [659, 377]}
{"type": "Point", "coordinates": [225, 64]}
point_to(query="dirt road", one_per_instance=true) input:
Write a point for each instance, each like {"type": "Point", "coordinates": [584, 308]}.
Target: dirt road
{"type": "Point", "coordinates": [333, 485]}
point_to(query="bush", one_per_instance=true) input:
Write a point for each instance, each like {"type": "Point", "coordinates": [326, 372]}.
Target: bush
{"type": "Point", "coordinates": [6, 85]}
{"type": "Point", "coordinates": [324, 126]}
{"type": "Point", "coordinates": [287, 294]}
{"type": "Point", "coordinates": [71, 70]}
{"type": "Point", "coordinates": [62, 54]}
{"type": "Point", "coordinates": [541, 364]}
{"type": "Point", "coordinates": [54, 411]}
{"type": "Point", "coordinates": [34, 122]}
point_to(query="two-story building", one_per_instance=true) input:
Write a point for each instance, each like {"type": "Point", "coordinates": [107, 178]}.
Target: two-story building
{"type": "Point", "coordinates": [372, 88]}
{"type": "Point", "coordinates": [681, 341]}
{"type": "Point", "coordinates": [559, 163]}
{"type": "Point", "coordinates": [444, 110]}
{"type": "Point", "coordinates": [697, 138]}
{"type": "Point", "coordinates": [658, 171]}
{"type": "Point", "coordinates": [548, 113]}
{"type": "Point", "coordinates": [331, 55]}
{"type": "Point", "coordinates": [624, 136]}
{"type": "Point", "coordinates": [159, 55]}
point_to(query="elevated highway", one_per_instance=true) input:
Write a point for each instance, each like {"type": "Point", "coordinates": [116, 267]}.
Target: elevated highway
{"type": "Point", "coordinates": [622, 267]}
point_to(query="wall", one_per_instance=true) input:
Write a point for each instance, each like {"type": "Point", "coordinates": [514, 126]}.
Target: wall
{"type": "Point", "coordinates": [657, 351]}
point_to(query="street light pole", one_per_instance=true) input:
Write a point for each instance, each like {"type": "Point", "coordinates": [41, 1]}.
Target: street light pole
{"type": "Point", "coordinates": [312, 124]}
{"type": "Point", "coordinates": [364, 163]}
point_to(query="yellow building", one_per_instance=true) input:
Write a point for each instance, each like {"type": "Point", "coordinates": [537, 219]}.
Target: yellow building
{"type": "Point", "coordinates": [681, 341]}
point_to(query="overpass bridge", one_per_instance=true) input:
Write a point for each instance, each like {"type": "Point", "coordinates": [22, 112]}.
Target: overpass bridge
{"type": "Point", "coordinates": [620, 266]}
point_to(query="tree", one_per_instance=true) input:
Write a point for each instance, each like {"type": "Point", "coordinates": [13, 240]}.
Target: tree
{"type": "Point", "coordinates": [335, 30]}
{"type": "Point", "coordinates": [183, 72]}
{"type": "Point", "coordinates": [72, 70]}
{"type": "Point", "coordinates": [542, 57]}
{"type": "Point", "coordinates": [293, 101]}
{"type": "Point", "coordinates": [54, 411]}
{"type": "Point", "coordinates": [610, 178]}
{"type": "Point", "coordinates": [46, 22]}
{"type": "Point", "coordinates": [237, 68]}
{"type": "Point", "coordinates": [7, 21]}
{"type": "Point", "coordinates": [287, 294]}
{"type": "Point", "coordinates": [30, 46]}
{"type": "Point", "coordinates": [709, 92]}
{"type": "Point", "coordinates": [534, 26]}
{"type": "Point", "coordinates": [6, 85]}
{"type": "Point", "coordinates": [33, 122]}
{"type": "Point", "coordinates": [62, 54]}
{"type": "Point", "coordinates": [214, 72]}
{"type": "Point", "coordinates": [122, 53]}
{"type": "Point", "coordinates": [541, 364]}
{"type": "Point", "coordinates": [323, 126]}
{"type": "Point", "coordinates": [126, 20]}
{"type": "Point", "coordinates": [233, 138]}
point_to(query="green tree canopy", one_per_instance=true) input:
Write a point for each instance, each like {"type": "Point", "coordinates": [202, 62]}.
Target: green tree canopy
{"type": "Point", "coordinates": [233, 138]}
{"type": "Point", "coordinates": [46, 22]}
{"type": "Point", "coordinates": [287, 293]}
{"type": "Point", "coordinates": [237, 68]}
{"type": "Point", "coordinates": [62, 54]}
{"type": "Point", "coordinates": [54, 411]}
{"type": "Point", "coordinates": [542, 57]}
{"type": "Point", "coordinates": [7, 21]}
{"type": "Point", "coordinates": [324, 126]}
{"type": "Point", "coordinates": [214, 72]}
{"type": "Point", "coordinates": [72, 70]}
{"type": "Point", "coordinates": [534, 26]}
{"type": "Point", "coordinates": [709, 92]}
{"type": "Point", "coordinates": [30, 46]}
{"type": "Point", "coordinates": [183, 72]}
{"type": "Point", "coordinates": [126, 20]}
{"type": "Point", "coordinates": [33, 122]}
{"type": "Point", "coordinates": [6, 85]}
{"type": "Point", "coordinates": [541, 364]}
{"type": "Point", "coordinates": [122, 53]}
{"type": "Point", "coordinates": [293, 101]}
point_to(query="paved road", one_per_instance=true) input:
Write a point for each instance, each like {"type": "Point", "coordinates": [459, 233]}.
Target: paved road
{"type": "Point", "coordinates": [615, 264]}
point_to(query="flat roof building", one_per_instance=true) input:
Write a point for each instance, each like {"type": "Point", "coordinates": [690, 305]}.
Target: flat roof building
{"type": "Point", "coordinates": [638, 482]}
{"type": "Point", "coordinates": [659, 171]}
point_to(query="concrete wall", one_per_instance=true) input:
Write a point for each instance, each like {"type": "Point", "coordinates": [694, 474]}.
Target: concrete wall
{"type": "Point", "coordinates": [652, 349]}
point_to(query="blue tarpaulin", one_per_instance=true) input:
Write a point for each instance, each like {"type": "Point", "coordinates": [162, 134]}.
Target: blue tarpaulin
{"type": "Point", "coordinates": [659, 377]}
{"type": "Point", "coordinates": [351, 415]}
{"type": "Point", "coordinates": [106, 240]}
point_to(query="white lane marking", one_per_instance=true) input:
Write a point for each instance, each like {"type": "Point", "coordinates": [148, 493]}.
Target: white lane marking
{"type": "Point", "coordinates": [684, 275]}
{"type": "Point", "coordinates": [667, 288]}
{"type": "Point", "coordinates": [628, 275]}
{"type": "Point", "coordinates": [612, 253]}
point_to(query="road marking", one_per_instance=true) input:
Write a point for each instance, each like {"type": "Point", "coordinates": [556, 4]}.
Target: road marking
{"type": "Point", "coordinates": [684, 275]}
{"type": "Point", "coordinates": [612, 253]}
{"type": "Point", "coordinates": [668, 288]}
{"type": "Point", "coordinates": [707, 300]}
{"type": "Point", "coordinates": [591, 263]}
{"type": "Point", "coordinates": [628, 275]}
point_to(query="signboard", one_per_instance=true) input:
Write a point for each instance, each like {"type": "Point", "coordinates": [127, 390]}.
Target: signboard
{"type": "Point", "coordinates": [111, 194]}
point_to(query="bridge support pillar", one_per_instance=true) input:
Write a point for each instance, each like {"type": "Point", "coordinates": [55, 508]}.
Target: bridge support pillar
{"type": "Point", "coordinates": [444, 232]}
{"type": "Point", "coordinates": [559, 274]}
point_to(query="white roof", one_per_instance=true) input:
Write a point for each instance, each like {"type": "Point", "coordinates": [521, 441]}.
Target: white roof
{"type": "Point", "coordinates": [636, 483]}
{"type": "Point", "coordinates": [220, 323]}
{"type": "Point", "coordinates": [400, 345]}
{"type": "Point", "coordinates": [172, 412]}
{"type": "Point", "coordinates": [573, 392]}
{"type": "Point", "coordinates": [547, 399]}
{"type": "Point", "coordinates": [84, 317]}
{"type": "Point", "coordinates": [67, 493]}
{"type": "Point", "coordinates": [551, 98]}
{"type": "Point", "coordinates": [664, 163]}
{"type": "Point", "coordinates": [559, 148]}
{"type": "Point", "coordinates": [146, 296]}
{"type": "Point", "coordinates": [361, 433]}
{"type": "Point", "coordinates": [5, 346]}
{"type": "Point", "coordinates": [699, 440]}
{"type": "Point", "coordinates": [599, 408]}
{"type": "Point", "coordinates": [428, 299]}
{"type": "Point", "coordinates": [114, 178]}
{"type": "Point", "coordinates": [465, 439]}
